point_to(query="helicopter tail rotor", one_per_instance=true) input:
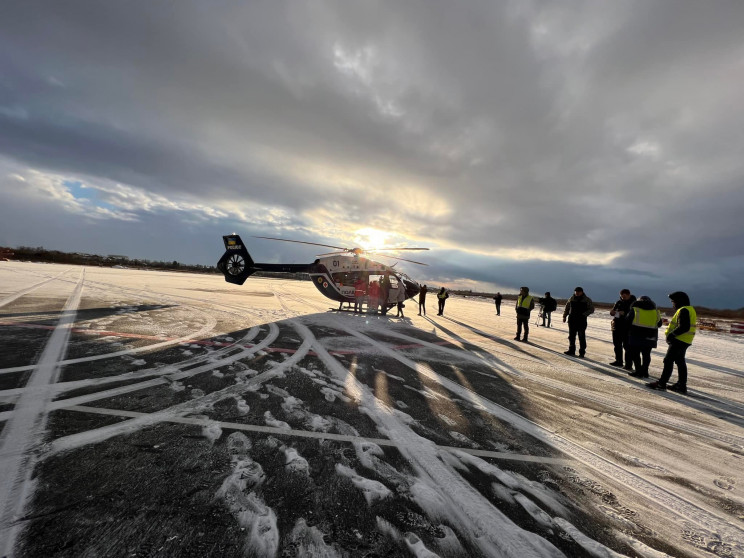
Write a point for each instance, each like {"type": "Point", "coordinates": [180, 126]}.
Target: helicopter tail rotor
{"type": "Point", "coordinates": [236, 263]}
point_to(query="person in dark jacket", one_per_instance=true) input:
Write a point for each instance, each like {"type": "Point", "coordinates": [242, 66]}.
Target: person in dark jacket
{"type": "Point", "coordinates": [577, 310]}
{"type": "Point", "coordinates": [644, 322]}
{"type": "Point", "coordinates": [525, 305]}
{"type": "Point", "coordinates": [422, 299]}
{"type": "Point", "coordinates": [385, 287]}
{"type": "Point", "coordinates": [497, 299]}
{"type": "Point", "coordinates": [679, 334]}
{"type": "Point", "coordinates": [442, 296]}
{"type": "Point", "coordinates": [620, 326]}
{"type": "Point", "coordinates": [549, 305]}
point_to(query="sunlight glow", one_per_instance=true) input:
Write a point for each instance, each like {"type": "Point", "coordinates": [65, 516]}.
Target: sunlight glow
{"type": "Point", "coordinates": [369, 238]}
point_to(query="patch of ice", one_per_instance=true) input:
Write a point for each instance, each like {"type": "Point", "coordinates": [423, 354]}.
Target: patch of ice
{"type": "Point", "coordinates": [217, 374]}
{"type": "Point", "coordinates": [540, 517]}
{"type": "Point", "coordinates": [429, 499]}
{"type": "Point", "coordinates": [243, 407]}
{"type": "Point", "coordinates": [295, 462]}
{"type": "Point", "coordinates": [309, 542]}
{"type": "Point", "coordinates": [401, 405]}
{"type": "Point", "coordinates": [450, 545]}
{"type": "Point", "coordinates": [372, 489]}
{"type": "Point", "coordinates": [591, 546]}
{"type": "Point", "coordinates": [417, 548]}
{"type": "Point", "coordinates": [387, 528]}
{"type": "Point", "coordinates": [177, 386]}
{"type": "Point", "coordinates": [271, 421]}
{"type": "Point", "coordinates": [212, 431]}
{"type": "Point", "coordinates": [445, 419]}
{"type": "Point", "coordinates": [186, 352]}
{"type": "Point", "coordinates": [463, 439]}
{"type": "Point", "coordinates": [318, 423]}
{"type": "Point", "coordinates": [196, 393]}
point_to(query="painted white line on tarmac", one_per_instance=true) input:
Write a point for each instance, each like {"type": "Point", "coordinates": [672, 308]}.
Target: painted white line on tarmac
{"type": "Point", "coordinates": [26, 426]}
{"type": "Point", "coordinates": [19, 294]}
{"type": "Point", "coordinates": [312, 434]}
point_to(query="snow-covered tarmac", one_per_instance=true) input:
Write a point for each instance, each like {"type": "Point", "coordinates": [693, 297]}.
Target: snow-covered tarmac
{"type": "Point", "coordinates": [168, 414]}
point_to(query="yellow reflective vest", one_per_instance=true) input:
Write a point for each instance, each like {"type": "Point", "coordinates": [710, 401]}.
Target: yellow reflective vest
{"type": "Point", "coordinates": [674, 324]}
{"type": "Point", "coordinates": [646, 318]}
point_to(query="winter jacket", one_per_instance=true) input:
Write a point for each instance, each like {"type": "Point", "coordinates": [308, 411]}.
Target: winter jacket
{"type": "Point", "coordinates": [622, 309]}
{"type": "Point", "coordinates": [401, 292]}
{"type": "Point", "coordinates": [640, 336]}
{"type": "Point", "coordinates": [525, 304]}
{"type": "Point", "coordinates": [549, 304]}
{"type": "Point", "coordinates": [578, 308]}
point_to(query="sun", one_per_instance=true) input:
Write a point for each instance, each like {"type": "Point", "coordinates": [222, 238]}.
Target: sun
{"type": "Point", "coordinates": [370, 238]}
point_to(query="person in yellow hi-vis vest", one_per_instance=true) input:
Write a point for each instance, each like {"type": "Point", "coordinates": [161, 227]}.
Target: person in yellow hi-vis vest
{"type": "Point", "coordinates": [679, 336]}
{"type": "Point", "coordinates": [525, 305]}
{"type": "Point", "coordinates": [645, 320]}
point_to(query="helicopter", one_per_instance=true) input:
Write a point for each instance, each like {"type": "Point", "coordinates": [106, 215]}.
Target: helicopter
{"type": "Point", "coordinates": [333, 273]}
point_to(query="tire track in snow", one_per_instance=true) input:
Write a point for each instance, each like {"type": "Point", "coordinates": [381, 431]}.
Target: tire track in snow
{"type": "Point", "coordinates": [26, 426]}
{"type": "Point", "coordinates": [487, 528]}
{"type": "Point", "coordinates": [19, 294]}
{"type": "Point", "coordinates": [729, 533]}
{"type": "Point", "coordinates": [634, 410]}
{"type": "Point", "coordinates": [74, 441]}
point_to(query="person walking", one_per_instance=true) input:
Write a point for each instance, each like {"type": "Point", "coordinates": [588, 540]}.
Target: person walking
{"type": "Point", "coordinates": [400, 298]}
{"type": "Point", "coordinates": [442, 296]}
{"type": "Point", "coordinates": [422, 299]}
{"type": "Point", "coordinates": [679, 335]}
{"type": "Point", "coordinates": [620, 327]}
{"type": "Point", "coordinates": [360, 290]}
{"type": "Point", "coordinates": [497, 299]}
{"type": "Point", "coordinates": [578, 308]}
{"type": "Point", "coordinates": [644, 319]}
{"type": "Point", "coordinates": [525, 304]}
{"type": "Point", "coordinates": [549, 305]}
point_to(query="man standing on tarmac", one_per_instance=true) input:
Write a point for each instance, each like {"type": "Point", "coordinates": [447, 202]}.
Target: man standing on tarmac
{"type": "Point", "coordinates": [385, 287]}
{"type": "Point", "coordinates": [360, 290]}
{"type": "Point", "coordinates": [525, 305]}
{"type": "Point", "coordinates": [422, 299]}
{"type": "Point", "coordinates": [578, 308]}
{"type": "Point", "coordinates": [442, 297]}
{"type": "Point", "coordinates": [679, 334]}
{"type": "Point", "coordinates": [497, 299]}
{"type": "Point", "coordinates": [620, 328]}
{"type": "Point", "coordinates": [549, 305]}
{"type": "Point", "coordinates": [645, 321]}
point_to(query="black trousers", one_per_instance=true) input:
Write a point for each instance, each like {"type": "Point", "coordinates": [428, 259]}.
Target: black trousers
{"type": "Point", "coordinates": [422, 306]}
{"type": "Point", "coordinates": [498, 309]}
{"type": "Point", "coordinates": [675, 355]}
{"type": "Point", "coordinates": [577, 326]}
{"type": "Point", "coordinates": [620, 341]}
{"type": "Point", "coordinates": [546, 315]}
{"type": "Point", "coordinates": [441, 305]}
{"type": "Point", "coordinates": [641, 359]}
{"type": "Point", "coordinates": [522, 321]}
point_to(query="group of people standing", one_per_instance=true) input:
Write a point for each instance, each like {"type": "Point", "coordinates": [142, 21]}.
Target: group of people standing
{"type": "Point", "coordinates": [377, 294]}
{"type": "Point", "coordinates": [635, 324]}
{"type": "Point", "coordinates": [442, 297]}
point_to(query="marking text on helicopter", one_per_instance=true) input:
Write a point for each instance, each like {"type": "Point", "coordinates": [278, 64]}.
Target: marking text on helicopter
{"type": "Point", "coordinates": [333, 273]}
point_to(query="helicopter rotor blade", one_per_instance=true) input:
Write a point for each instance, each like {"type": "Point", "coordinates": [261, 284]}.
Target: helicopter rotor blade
{"type": "Point", "coordinates": [333, 253]}
{"type": "Point", "coordinates": [301, 242]}
{"type": "Point", "coordinates": [378, 249]}
{"type": "Point", "coordinates": [401, 259]}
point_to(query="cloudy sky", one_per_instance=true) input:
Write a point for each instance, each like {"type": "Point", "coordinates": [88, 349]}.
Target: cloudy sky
{"type": "Point", "coordinates": [545, 143]}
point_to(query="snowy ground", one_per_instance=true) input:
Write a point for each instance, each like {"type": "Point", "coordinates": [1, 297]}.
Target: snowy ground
{"type": "Point", "coordinates": [166, 414]}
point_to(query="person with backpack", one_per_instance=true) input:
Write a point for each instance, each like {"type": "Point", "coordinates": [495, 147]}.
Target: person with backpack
{"type": "Point", "coordinates": [549, 305]}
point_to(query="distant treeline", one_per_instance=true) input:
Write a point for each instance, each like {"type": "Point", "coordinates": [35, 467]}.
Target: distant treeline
{"type": "Point", "coordinates": [40, 254]}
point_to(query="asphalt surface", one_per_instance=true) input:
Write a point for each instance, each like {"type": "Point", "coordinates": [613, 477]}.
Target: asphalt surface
{"type": "Point", "coordinates": [166, 414]}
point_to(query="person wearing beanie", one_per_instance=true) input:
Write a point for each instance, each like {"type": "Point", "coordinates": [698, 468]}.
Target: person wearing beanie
{"type": "Point", "coordinates": [578, 308]}
{"type": "Point", "coordinates": [644, 322]}
{"type": "Point", "coordinates": [620, 326]}
{"type": "Point", "coordinates": [679, 334]}
{"type": "Point", "coordinates": [525, 305]}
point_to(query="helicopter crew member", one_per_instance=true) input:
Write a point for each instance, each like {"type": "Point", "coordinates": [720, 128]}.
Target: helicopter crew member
{"type": "Point", "coordinates": [442, 296]}
{"type": "Point", "coordinates": [679, 334]}
{"type": "Point", "coordinates": [422, 299]}
{"type": "Point", "coordinates": [400, 298]}
{"type": "Point", "coordinates": [384, 292]}
{"type": "Point", "coordinates": [360, 288]}
{"type": "Point", "coordinates": [525, 305]}
{"type": "Point", "coordinates": [497, 299]}
{"type": "Point", "coordinates": [578, 308]}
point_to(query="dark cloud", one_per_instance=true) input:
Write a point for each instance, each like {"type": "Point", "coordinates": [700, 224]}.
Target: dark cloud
{"type": "Point", "coordinates": [539, 130]}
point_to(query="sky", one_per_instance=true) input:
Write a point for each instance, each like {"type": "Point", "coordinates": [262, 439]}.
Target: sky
{"type": "Point", "coordinates": [546, 144]}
